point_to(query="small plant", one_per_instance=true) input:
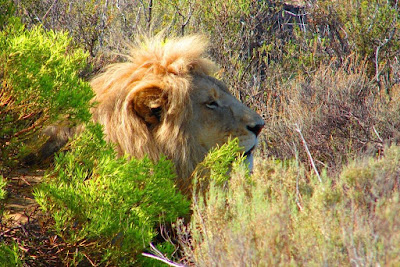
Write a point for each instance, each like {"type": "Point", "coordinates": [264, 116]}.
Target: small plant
{"type": "Point", "coordinates": [3, 184]}
{"type": "Point", "coordinates": [3, 194]}
{"type": "Point", "coordinates": [9, 255]}
{"type": "Point", "coordinates": [107, 207]}
{"type": "Point", "coordinates": [218, 163]}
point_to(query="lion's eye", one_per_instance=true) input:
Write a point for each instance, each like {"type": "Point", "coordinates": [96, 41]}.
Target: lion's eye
{"type": "Point", "coordinates": [212, 105]}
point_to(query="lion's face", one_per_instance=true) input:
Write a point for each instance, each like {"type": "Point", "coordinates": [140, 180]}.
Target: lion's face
{"type": "Point", "coordinates": [218, 116]}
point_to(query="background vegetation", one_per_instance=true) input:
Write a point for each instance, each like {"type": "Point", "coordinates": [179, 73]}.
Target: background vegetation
{"type": "Point", "coordinates": [325, 75]}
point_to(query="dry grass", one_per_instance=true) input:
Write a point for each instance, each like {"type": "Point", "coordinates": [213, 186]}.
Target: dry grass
{"type": "Point", "coordinates": [283, 216]}
{"type": "Point", "coordinates": [341, 113]}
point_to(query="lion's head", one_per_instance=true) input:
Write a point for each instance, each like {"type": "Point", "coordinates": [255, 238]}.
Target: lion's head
{"type": "Point", "coordinates": [164, 101]}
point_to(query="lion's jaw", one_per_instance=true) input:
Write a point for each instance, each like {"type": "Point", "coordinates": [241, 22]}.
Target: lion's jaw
{"type": "Point", "coordinates": [218, 116]}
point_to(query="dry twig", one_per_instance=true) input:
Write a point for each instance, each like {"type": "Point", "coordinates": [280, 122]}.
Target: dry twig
{"type": "Point", "coordinates": [297, 129]}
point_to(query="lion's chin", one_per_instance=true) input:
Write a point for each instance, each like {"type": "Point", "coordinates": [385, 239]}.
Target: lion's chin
{"type": "Point", "coordinates": [249, 161]}
{"type": "Point", "coordinates": [249, 158]}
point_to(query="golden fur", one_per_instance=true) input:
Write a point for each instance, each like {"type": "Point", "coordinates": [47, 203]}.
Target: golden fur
{"type": "Point", "coordinates": [163, 101]}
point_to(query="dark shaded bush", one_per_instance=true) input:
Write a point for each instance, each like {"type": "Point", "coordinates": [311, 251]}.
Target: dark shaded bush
{"type": "Point", "coordinates": [7, 9]}
{"type": "Point", "coordinates": [367, 28]}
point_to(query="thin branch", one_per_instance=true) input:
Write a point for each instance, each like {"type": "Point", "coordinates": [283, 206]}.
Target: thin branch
{"type": "Point", "coordinates": [48, 11]}
{"type": "Point", "coordinates": [387, 40]}
{"type": "Point", "coordinates": [90, 261]}
{"type": "Point", "coordinates": [188, 17]}
{"type": "Point", "coordinates": [297, 129]}
{"type": "Point", "coordinates": [33, 126]}
{"type": "Point", "coordinates": [150, 8]}
{"type": "Point", "coordinates": [377, 134]}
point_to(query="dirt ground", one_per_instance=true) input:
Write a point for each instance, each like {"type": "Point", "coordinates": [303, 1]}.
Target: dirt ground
{"type": "Point", "coordinates": [21, 206]}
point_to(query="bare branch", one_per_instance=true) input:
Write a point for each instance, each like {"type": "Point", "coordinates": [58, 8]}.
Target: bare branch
{"type": "Point", "coordinates": [150, 9]}
{"type": "Point", "coordinates": [297, 129]}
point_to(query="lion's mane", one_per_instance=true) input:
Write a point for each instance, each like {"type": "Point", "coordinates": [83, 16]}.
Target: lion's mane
{"type": "Point", "coordinates": [157, 76]}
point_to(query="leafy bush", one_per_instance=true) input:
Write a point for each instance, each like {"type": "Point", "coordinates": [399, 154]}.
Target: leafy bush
{"type": "Point", "coordinates": [39, 84]}
{"type": "Point", "coordinates": [218, 163]}
{"type": "Point", "coordinates": [106, 207]}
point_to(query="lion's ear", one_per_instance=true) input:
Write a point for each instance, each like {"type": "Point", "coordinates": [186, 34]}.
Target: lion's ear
{"type": "Point", "coordinates": [149, 103]}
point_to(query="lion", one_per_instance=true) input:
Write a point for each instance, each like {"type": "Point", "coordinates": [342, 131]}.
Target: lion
{"type": "Point", "coordinates": [164, 101]}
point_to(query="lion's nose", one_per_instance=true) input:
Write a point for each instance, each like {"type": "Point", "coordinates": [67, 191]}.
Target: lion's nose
{"type": "Point", "coordinates": [257, 128]}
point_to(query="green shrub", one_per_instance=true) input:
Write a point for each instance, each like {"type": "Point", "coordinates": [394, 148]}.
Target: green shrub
{"type": "Point", "coordinates": [9, 255]}
{"type": "Point", "coordinates": [3, 184]}
{"type": "Point", "coordinates": [108, 207]}
{"type": "Point", "coordinates": [39, 84]}
{"type": "Point", "coordinates": [3, 194]}
{"type": "Point", "coordinates": [218, 162]}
